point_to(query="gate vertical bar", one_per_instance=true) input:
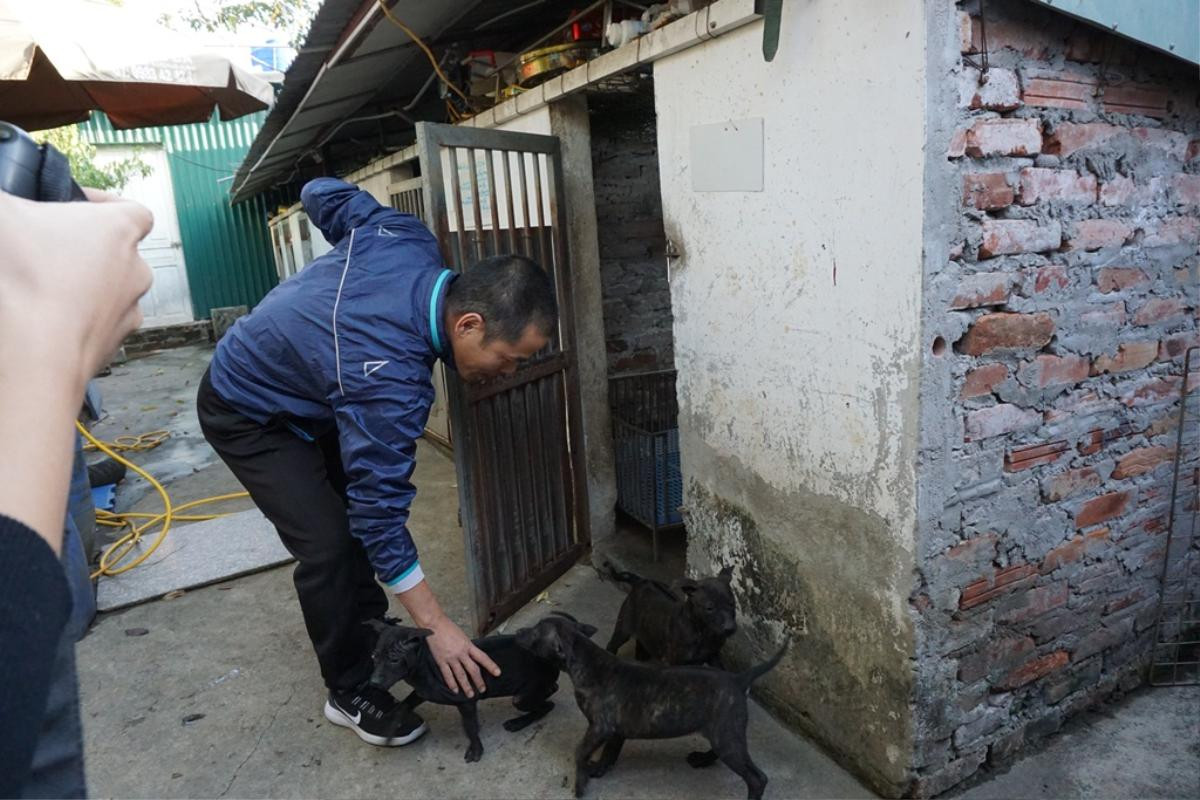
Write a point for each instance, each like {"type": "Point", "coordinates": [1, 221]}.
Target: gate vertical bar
{"type": "Point", "coordinates": [494, 205]}
{"type": "Point", "coordinates": [476, 204]}
{"type": "Point", "coordinates": [508, 198]}
{"type": "Point", "coordinates": [566, 317]}
{"type": "Point", "coordinates": [544, 255]}
{"type": "Point", "coordinates": [460, 217]}
{"type": "Point", "coordinates": [527, 223]}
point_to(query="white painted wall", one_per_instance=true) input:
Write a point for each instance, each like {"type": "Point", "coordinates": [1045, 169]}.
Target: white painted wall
{"type": "Point", "coordinates": [536, 121]}
{"type": "Point", "coordinates": [796, 308]}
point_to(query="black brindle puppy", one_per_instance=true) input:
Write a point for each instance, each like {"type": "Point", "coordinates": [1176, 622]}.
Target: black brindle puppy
{"type": "Point", "coordinates": [625, 700]}
{"type": "Point", "coordinates": [402, 653]}
{"type": "Point", "coordinates": [686, 628]}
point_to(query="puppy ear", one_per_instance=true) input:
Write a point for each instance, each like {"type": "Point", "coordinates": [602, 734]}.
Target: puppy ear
{"type": "Point", "coordinates": [556, 644]}
{"type": "Point", "coordinates": [687, 586]}
{"type": "Point", "coordinates": [587, 630]}
{"type": "Point", "coordinates": [377, 625]}
{"type": "Point", "coordinates": [726, 574]}
{"type": "Point", "coordinates": [419, 633]}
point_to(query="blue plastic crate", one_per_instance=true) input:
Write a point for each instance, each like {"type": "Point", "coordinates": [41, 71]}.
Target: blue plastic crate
{"type": "Point", "coordinates": [646, 434]}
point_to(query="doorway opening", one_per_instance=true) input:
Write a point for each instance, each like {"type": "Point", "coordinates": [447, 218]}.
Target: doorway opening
{"type": "Point", "coordinates": [649, 537]}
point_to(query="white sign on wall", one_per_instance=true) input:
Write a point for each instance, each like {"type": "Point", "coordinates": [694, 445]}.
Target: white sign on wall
{"type": "Point", "coordinates": [727, 156]}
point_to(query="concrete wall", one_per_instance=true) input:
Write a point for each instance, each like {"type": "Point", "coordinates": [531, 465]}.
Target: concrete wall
{"type": "Point", "coordinates": [1061, 272]}
{"type": "Point", "coordinates": [796, 340]}
{"type": "Point", "coordinates": [629, 225]}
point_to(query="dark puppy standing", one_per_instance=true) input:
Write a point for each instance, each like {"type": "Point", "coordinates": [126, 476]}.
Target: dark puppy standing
{"type": "Point", "coordinates": [623, 700]}
{"type": "Point", "coordinates": [401, 653]}
{"type": "Point", "coordinates": [676, 630]}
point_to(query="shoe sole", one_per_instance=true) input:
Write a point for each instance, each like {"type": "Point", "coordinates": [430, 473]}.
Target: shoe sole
{"type": "Point", "coordinates": [339, 718]}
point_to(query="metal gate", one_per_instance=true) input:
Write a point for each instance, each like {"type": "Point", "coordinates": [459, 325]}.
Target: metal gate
{"type": "Point", "coordinates": [517, 440]}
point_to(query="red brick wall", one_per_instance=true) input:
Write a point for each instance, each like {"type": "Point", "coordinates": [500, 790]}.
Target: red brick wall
{"type": "Point", "coordinates": [1070, 298]}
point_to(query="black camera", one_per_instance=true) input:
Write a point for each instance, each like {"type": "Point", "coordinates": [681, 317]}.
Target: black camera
{"type": "Point", "coordinates": [34, 171]}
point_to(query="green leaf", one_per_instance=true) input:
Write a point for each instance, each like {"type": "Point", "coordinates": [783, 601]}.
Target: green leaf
{"type": "Point", "coordinates": [81, 155]}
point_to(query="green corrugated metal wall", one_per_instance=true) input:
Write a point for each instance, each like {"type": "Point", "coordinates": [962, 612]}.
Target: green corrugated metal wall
{"type": "Point", "coordinates": [227, 248]}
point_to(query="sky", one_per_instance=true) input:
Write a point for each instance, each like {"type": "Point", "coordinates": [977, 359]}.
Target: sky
{"type": "Point", "coordinates": [243, 38]}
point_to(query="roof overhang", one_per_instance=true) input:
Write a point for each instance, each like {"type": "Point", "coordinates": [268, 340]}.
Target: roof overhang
{"type": "Point", "coordinates": [350, 45]}
{"type": "Point", "coordinates": [1172, 26]}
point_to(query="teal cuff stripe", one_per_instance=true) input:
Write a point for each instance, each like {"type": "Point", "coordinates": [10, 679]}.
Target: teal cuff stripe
{"type": "Point", "coordinates": [433, 322]}
{"type": "Point", "coordinates": [404, 574]}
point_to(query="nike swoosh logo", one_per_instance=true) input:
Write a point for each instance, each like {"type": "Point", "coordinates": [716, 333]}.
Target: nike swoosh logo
{"type": "Point", "coordinates": [357, 718]}
{"type": "Point", "coordinates": [373, 366]}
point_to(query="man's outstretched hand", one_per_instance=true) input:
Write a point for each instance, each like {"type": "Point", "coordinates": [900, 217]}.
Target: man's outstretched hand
{"type": "Point", "coordinates": [458, 658]}
{"type": "Point", "coordinates": [456, 655]}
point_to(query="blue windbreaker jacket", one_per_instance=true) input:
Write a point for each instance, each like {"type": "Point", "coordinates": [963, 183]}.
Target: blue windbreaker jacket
{"type": "Point", "coordinates": [349, 343]}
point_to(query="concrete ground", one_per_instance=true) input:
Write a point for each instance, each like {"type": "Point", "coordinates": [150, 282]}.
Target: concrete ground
{"type": "Point", "coordinates": [220, 697]}
{"type": "Point", "coordinates": [1145, 746]}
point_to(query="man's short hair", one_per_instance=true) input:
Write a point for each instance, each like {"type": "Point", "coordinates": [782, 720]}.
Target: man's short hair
{"type": "Point", "coordinates": [510, 292]}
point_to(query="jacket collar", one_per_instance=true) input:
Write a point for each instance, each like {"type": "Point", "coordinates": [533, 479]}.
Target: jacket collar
{"type": "Point", "coordinates": [438, 336]}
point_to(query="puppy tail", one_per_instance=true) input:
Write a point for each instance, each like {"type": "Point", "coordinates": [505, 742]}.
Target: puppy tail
{"type": "Point", "coordinates": [754, 673]}
{"type": "Point", "coordinates": [622, 577]}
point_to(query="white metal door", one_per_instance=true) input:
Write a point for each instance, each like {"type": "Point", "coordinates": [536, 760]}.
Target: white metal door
{"type": "Point", "coordinates": [169, 301]}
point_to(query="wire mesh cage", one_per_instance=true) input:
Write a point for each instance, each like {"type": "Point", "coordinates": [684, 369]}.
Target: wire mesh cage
{"type": "Point", "coordinates": [645, 419]}
{"type": "Point", "coordinates": [1176, 657]}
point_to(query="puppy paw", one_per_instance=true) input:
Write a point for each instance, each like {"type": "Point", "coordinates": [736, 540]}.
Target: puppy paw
{"type": "Point", "coordinates": [473, 754]}
{"type": "Point", "coordinates": [700, 760]}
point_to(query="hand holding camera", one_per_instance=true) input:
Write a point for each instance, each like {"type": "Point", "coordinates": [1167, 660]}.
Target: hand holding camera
{"type": "Point", "coordinates": [70, 279]}
{"type": "Point", "coordinates": [70, 273]}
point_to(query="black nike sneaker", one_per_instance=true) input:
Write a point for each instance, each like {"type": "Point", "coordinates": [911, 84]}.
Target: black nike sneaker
{"type": "Point", "coordinates": [376, 716]}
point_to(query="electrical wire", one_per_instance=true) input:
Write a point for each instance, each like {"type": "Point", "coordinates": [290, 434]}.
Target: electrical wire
{"type": "Point", "coordinates": [428, 53]}
{"type": "Point", "coordinates": [117, 552]}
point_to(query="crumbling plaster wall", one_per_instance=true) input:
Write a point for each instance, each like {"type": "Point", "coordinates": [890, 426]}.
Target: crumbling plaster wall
{"type": "Point", "coordinates": [1061, 275]}
{"type": "Point", "coordinates": [796, 340]}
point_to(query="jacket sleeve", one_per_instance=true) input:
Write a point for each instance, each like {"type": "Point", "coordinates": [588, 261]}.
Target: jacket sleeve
{"type": "Point", "coordinates": [337, 207]}
{"type": "Point", "coordinates": [378, 426]}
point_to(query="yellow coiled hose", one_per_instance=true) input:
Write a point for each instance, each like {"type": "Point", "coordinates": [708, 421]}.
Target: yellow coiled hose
{"type": "Point", "coordinates": [117, 552]}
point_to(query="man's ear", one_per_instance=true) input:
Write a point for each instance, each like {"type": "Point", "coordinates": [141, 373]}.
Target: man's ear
{"type": "Point", "coordinates": [687, 586]}
{"type": "Point", "coordinates": [468, 323]}
{"type": "Point", "coordinates": [726, 574]}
